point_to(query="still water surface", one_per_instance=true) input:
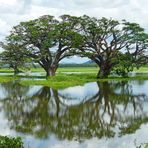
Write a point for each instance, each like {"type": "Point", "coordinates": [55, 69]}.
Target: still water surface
{"type": "Point", "coordinates": [108, 114]}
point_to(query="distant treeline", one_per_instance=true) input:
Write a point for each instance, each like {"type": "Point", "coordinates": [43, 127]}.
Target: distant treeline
{"type": "Point", "coordinates": [78, 65]}
{"type": "Point", "coordinates": [60, 65]}
{"type": "Point", "coordinates": [73, 65]}
{"type": "Point", "coordinates": [65, 65]}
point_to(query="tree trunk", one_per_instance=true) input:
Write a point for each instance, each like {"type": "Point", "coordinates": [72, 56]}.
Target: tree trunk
{"type": "Point", "coordinates": [15, 68]}
{"type": "Point", "coordinates": [16, 71]}
{"type": "Point", "coordinates": [56, 97]}
{"type": "Point", "coordinates": [51, 72]}
{"type": "Point", "coordinates": [103, 72]}
{"type": "Point", "coordinates": [49, 67]}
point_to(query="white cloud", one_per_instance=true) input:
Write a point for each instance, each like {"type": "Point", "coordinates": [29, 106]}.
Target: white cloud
{"type": "Point", "coordinates": [14, 11]}
{"type": "Point", "coordinates": [4, 28]}
{"type": "Point", "coordinates": [8, 2]}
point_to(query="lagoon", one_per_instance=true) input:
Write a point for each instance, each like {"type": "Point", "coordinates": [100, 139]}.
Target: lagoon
{"type": "Point", "coordinates": [97, 114]}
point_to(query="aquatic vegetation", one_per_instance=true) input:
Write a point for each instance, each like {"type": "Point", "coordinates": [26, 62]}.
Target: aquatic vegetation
{"type": "Point", "coordinates": [10, 142]}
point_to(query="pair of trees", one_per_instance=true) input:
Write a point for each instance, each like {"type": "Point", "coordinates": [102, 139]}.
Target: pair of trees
{"type": "Point", "coordinates": [114, 46]}
{"type": "Point", "coordinates": [45, 41]}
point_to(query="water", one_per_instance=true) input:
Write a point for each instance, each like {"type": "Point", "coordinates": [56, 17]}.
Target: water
{"type": "Point", "coordinates": [108, 114]}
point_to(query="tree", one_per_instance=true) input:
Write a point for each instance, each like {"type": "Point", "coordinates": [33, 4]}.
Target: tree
{"type": "Point", "coordinates": [105, 40]}
{"type": "Point", "coordinates": [13, 57]}
{"type": "Point", "coordinates": [135, 56]}
{"type": "Point", "coordinates": [45, 40]}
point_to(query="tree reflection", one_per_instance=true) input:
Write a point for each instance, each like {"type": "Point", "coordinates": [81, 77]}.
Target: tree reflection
{"type": "Point", "coordinates": [42, 113]}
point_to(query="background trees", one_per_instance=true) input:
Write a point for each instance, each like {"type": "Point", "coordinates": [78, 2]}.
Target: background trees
{"type": "Point", "coordinates": [13, 57]}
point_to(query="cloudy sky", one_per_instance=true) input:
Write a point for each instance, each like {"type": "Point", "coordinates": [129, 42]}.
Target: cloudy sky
{"type": "Point", "coordinates": [14, 11]}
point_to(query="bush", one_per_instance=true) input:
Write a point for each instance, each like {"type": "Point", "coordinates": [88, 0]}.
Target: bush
{"type": "Point", "coordinates": [10, 142]}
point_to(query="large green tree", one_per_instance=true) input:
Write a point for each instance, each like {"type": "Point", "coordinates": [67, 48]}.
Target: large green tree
{"type": "Point", "coordinates": [45, 40]}
{"type": "Point", "coordinates": [112, 45]}
{"type": "Point", "coordinates": [104, 40]}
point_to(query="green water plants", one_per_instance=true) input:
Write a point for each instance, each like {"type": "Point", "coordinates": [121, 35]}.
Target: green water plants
{"type": "Point", "coordinates": [10, 142]}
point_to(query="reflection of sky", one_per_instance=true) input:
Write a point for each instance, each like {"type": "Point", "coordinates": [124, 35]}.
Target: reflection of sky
{"type": "Point", "coordinates": [33, 90]}
{"type": "Point", "coordinates": [127, 141]}
{"type": "Point", "coordinates": [2, 92]}
{"type": "Point", "coordinates": [77, 94]}
{"type": "Point", "coordinates": [4, 128]}
{"type": "Point", "coordinates": [137, 87]}
{"type": "Point", "coordinates": [131, 110]}
{"type": "Point", "coordinates": [140, 88]}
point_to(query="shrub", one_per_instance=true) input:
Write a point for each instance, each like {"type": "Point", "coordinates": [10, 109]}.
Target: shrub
{"type": "Point", "coordinates": [10, 142]}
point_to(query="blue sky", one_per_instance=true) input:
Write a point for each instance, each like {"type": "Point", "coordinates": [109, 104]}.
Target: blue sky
{"type": "Point", "coordinates": [12, 12]}
{"type": "Point", "coordinates": [74, 59]}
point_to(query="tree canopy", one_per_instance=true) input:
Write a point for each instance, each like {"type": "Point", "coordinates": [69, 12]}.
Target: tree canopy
{"type": "Point", "coordinates": [13, 57]}
{"type": "Point", "coordinates": [105, 40]}
{"type": "Point", "coordinates": [45, 40]}
{"type": "Point", "coordinates": [115, 46]}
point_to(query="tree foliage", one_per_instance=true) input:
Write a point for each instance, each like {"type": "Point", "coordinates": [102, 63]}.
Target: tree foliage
{"type": "Point", "coordinates": [45, 40]}
{"type": "Point", "coordinates": [105, 40]}
{"type": "Point", "coordinates": [12, 57]}
{"type": "Point", "coordinates": [113, 45]}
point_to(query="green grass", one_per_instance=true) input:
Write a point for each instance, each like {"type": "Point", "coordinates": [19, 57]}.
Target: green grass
{"type": "Point", "coordinates": [6, 78]}
{"type": "Point", "coordinates": [6, 70]}
{"type": "Point", "coordinates": [142, 69]}
{"type": "Point", "coordinates": [79, 69]}
{"type": "Point", "coordinates": [70, 69]}
{"type": "Point", "coordinates": [83, 69]}
{"type": "Point", "coordinates": [62, 80]}
{"type": "Point", "coordinates": [65, 80]}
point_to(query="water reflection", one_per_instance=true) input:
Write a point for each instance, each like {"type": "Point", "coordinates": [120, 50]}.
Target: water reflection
{"type": "Point", "coordinates": [106, 109]}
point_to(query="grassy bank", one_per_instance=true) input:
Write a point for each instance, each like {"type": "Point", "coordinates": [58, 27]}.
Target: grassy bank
{"type": "Point", "coordinates": [6, 78]}
{"type": "Point", "coordinates": [66, 69]}
{"type": "Point", "coordinates": [65, 80]}
{"type": "Point", "coordinates": [70, 69]}
{"type": "Point", "coordinates": [62, 80]}
{"type": "Point", "coordinates": [79, 69]}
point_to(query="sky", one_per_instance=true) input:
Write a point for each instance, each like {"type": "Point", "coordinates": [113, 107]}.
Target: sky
{"type": "Point", "coordinates": [12, 12]}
